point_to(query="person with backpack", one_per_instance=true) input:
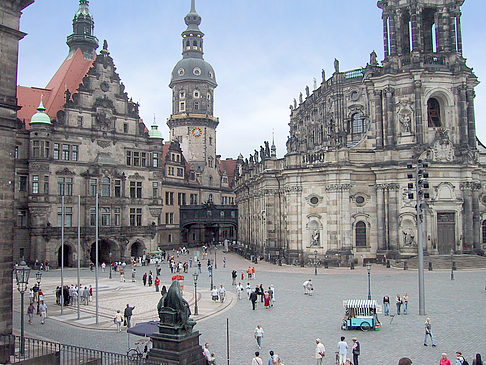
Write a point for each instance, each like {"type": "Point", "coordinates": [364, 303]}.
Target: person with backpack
{"type": "Point", "coordinates": [444, 360]}
{"type": "Point", "coordinates": [460, 360]}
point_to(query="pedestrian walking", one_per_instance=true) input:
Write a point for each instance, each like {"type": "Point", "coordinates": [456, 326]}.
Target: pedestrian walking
{"type": "Point", "coordinates": [428, 332]}
{"type": "Point", "coordinates": [222, 293]}
{"type": "Point", "coordinates": [234, 275]}
{"type": "Point", "coordinates": [320, 351]}
{"type": "Point", "coordinates": [242, 275]}
{"type": "Point", "coordinates": [266, 297]}
{"type": "Point", "coordinates": [224, 262]}
{"type": "Point", "coordinates": [206, 351]}
{"type": "Point", "coordinates": [459, 358]}
{"type": "Point", "coordinates": [398, 302]}
{"type": "Point", "coordinates": [257, 359]}
{"type": "Point", "coordinates": [122, 275]}
{"type": "Point", "coordinates": [253, 276]}
{"type": "Point", "coordinates": [356, 350]}
{"type": "Point", "coordinates": [342, 351]}
{"type": "Point", "coordinates": [477, 360]}
{"type": "Point", "coordinates": [386, 304]}
{"type": "Point", "coordinates": [30, 312]}
{"type": "Point", "coordinates": [43, 311]}
{"type": "Point", "coordinates": [272, 293]}
{"type": "Point", "coordinates": [133, 275]}
{"type": "Point", "coordinates": [118, 320]}
{"type": "Point", "coordinates": [444, 360]}
{"type": "Point", "coordinates": [127, 314]}
{"type": "Point", "coordinates": [31, 295]}
{"type": "Point", "coordinates": [270, 359]}
{"type": "Point", "coordinates": [248, 290]}
{"type": "Point", "coordinates": [239, 290]}
{"type": "Point", "coordinates": [103, 266]}
{"type": "Point", "coordinates": [405, 303]}
{"type": "Point", "coordinates": [90, 294]}
{"type": "Point", "coordinates": [249, 272]}
{"type": "Point", "coordinates": [157, 283]}
{"type": "Point", "coordinates": [150, 278]}
{"type": "Point", "coordinates": [214, 294]}
{"type": "Point", "coordinates": [144, 279]}
{"type": "Point", "coordinates": [199, 266]}
{"type": "Point", "coordinates": [262, 292]}
{"type": "Point", "coordinates": [258, 334]}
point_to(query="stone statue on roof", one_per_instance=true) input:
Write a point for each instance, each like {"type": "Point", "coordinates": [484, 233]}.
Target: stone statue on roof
{"type": "Point", "coordinates": [373, 59]}
{"type": "Point", "coordinates": [336, 65]}
{"type": "Point", "coordinates": [267, 149]}
{"type": "Point", "coordinates": [307, 91]}
{"type": "Point", "coordinates": [105, 45]}
{"type": "Point", "coordinates": [262, 153]}
{"type": "Point", "coordinates": [300, 98]}
{"type": "Point", "coordinates": [323, 76]}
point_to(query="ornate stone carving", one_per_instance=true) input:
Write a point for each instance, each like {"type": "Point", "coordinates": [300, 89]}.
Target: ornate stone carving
{"type": "Point", "coordinates": [155, 212]}
{"type": "Point", "coordinates": [469, 185]}
{"type": "Point", "coordinates": [442, 149]}
{"type": "Point", "coordinates": [39, 166]}
{"type": "Point", "coordinates": [390, 187]}
{"type": "Point", "coordinates": [338, 187]}
{"type": "Point", "coordinates": [136, 176]}
{"type": "Point", "coordinates": [293, 189]}
{"type": "Point", "coordinates": [65, 171]}
{"type": "Point", "coordinates": [102, 143]}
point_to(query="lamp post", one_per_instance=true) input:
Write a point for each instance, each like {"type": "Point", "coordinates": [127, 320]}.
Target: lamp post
{"type": "Point", "coordinates": [110, 265]}
{"type": "Point", "coordinates": [210, 269]}
{"type": "Point", "coordinates": [38, 278]}
{"type": "Point", "coordinates": [195, 275]}
{"type": "Point", "coordinates": [315, 262]}
{"type": "Point", "coordinates": [22, 272]}
{"type": "Point", "coordinates": [368, 267]}
{"type": "Point", "coordinates": [215, 262]}
{"type": "Point", "coordinates": [452, 264]}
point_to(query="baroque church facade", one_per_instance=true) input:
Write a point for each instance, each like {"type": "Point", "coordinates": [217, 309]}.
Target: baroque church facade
{"type": "Point", "coordinates": [82, 136]}
{"type": "Point", "coordinates": [347, 186]}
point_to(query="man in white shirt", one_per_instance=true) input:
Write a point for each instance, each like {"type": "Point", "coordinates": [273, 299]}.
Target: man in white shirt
{"type": "Point", "coordinates": [257, 360]}
{"type": "Point", "coordinates": [206, 352]}
{"type": "Point", "coordinates": [222, 292]}
{"type": "Point", "coordinates": [239, 290]}
{"type": "Point", "coordinates": [320, 351]}
{"type": "Point", "coordinates": [343, 351]}
{"type": "Point", "coordinates": [259, 335]}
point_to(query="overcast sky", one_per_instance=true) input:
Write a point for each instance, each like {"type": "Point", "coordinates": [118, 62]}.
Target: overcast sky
{"type": "Point", "coordinates": [264, 53]}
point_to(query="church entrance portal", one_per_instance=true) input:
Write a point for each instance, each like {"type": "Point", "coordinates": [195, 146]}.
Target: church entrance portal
{"type": "Point", "coordinates": [104, 249]}
{"type": "Point", "coordinates": [446, 229]}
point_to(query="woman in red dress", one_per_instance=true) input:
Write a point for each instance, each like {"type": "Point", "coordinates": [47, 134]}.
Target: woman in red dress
{"type": "Point", "coordinates": [266, 298]}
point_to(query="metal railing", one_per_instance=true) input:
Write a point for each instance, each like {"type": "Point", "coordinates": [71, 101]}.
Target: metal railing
{"type": "Point", "coordinates": [61, 353]}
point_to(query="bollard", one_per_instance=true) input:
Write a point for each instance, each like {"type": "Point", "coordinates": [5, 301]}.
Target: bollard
{"type": "Point", "coordinates": [430, 265]}
{"type": "Point", "coordinates": [405, 265]}
{"type": "Point", "coordinates": [351, 266]}
{"type": "Point", "coordinates": [388, 264]}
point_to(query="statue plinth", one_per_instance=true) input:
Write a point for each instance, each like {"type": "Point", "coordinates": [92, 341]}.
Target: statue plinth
{"type": "Point", "coordinates": [176, 343]}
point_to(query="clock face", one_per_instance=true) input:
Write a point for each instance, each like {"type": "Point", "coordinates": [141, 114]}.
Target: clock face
{"type": "Point", "coordinates": [196, 132]}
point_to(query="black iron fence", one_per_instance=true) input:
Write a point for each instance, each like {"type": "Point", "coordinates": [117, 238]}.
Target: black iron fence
{"type": "Point", "coordinates": [47, 352]}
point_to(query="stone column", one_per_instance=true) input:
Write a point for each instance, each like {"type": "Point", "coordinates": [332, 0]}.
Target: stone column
{"type": "Point", "coordinates": [399, 35]}
{"type": "Point", "coordinates": [459, 33]}
{"type": "Point", "coordinates": [386, 35]}
{"type": "Point", "coordinates": [476, 217]}
{"type": "Point", "coordinates": [466, 188]}
{"type": "Point", "coordinates": [471, 123]}
{"type": "Point", "coordinates": [378, 118]}
{"type": "Point", "coordinates": [393, 34]}
{"type": "Point", "coordinates": [446, 36]}
{"type": "Point", "coordinates": [380, 217]}
{"type": "Point", "coordinates": [417, 35]}
{"type": "Point", "coordinates": [386, 222]}
{"type": "Point", "coordinates": [390, 117]}
{"type": "Point", "coordinates": [452, 32]}
{"type": "Point", "coordinates": [463, 123]}
{"type": "Point", "coordinates": [418, 112]}
{"type": "Point", "coordinates": [393, 215]}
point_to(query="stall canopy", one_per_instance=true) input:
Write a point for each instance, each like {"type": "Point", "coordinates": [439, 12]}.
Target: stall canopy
{"type": "Point", "coordinates": [145, 329]}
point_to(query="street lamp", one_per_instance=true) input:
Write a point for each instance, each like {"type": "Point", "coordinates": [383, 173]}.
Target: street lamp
{"type": "Point", "coordinates": [38, 278]}
{"type": "Point", "coordinates": [210, 270]}
{"type": "Point", "coordinates": [110, 265]}
{"type": "Point", "coordinates": [195, 275]}
{"type": "Point", "coordinates": [452, 264]}
{"type": "Point", "coordinates": [315, 262]}
{"type": "Point", "coordinates": [215, 262]}
{"type": "Point", "coordinates": [368, 267]}
{"type": "Point", "coordinates": [22, 272]}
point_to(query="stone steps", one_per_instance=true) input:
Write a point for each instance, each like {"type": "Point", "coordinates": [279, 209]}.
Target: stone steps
{"type": "Point", "coordinates": [443, 262]}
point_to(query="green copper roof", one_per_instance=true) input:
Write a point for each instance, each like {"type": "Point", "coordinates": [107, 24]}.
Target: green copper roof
{"type": "Point", "coordinates": [154, 133]}
{"type": "Point", "coordinates": [40, 116]}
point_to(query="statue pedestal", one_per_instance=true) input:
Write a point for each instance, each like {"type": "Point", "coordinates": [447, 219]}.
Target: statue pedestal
{"type": "Point", "coordinates": [176, 350]}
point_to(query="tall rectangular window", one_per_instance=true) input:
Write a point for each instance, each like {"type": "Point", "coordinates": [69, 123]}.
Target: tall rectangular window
{"type": "Point", "coordinates": [36, 149]}
{"type": "Point", "coordinates": [56, 151]}
{"type": "Point", "coordinates": [47, 149]}
{"type": "Point", "coordinates": [132, 189]}
{"type": "Point", "coordinates": [105, 216]}
{"type": "Point", "coordinates": [129, 158]}
{"type": "Point", "coordinates": [181, 198]}
{"type": "Point", "coordinates": [105, 186]}
{"type": "Point", "coordinates": [74, 154]}
{"type": "Point", "coordinates": [35, 184]}
{"type": "Point", "coordinates": [65, 152]}
{"type": "Point", "coordinates": [180, 172]}
{"type": "Point", "coordinates": [22, 218]}
{"type": "Point", "coordinates": [143, 159]}
{"type": "Point", "coordinates": [155, 159]}
{"type": "Point", "coordinates": [69, 186]}
{"type": "Point", "coordinates": [22, 183]}
{"type": "Point", "coordinates": [155, 189]}
{"type": "Point", "coordinates": [169, 218]}
{"type": "Point", "coordinates": [193, 199]}
{"type": "Point", "coordinates": [46, 185]}
{"type": "Point", "coordinates": [117, 188]}
{"type": "Point", "coordinates": [68, 216]}
{"type": "Point", "coordinates": [92, 216]}
{"type": "Point", "coordinates": [169, 198]}
{"type": "Point", "coordinates": [93, 187]}
{"type": "Point", "coordinates": [139, 217]}
{"type": "Point", "coordinates": [139, 189]}
{"type": "Point", "coordinates": [60, 186]}
{"type": "Point", "coordinates": [135, 216]}
{"type": "Point", "coordinates": [117, 217]}
{"type": "Point", "coordinates": [136, 158]}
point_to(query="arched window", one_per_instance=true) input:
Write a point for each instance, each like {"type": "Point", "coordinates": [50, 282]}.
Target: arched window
{"type": "Point", "coordinates": [484, 231]}
{"type": "Point", "coordinates": [358, 123]}
{"type": "Point", "coordinates": [360, 229]}
{"type": "Point", "coordinates": [188, 45]}
{"type": "Point", "coordinates": [194, 45]}
{"type": "Point", "coordinates": [433, 113]}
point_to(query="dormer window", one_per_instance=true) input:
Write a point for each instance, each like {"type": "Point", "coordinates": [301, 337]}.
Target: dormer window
{"type": "Point", "coordinates": [196, 94]}
{"type": "Point", "coordinates": [182, 94]}
{"type": "Point", "coordinates": [196, 105]}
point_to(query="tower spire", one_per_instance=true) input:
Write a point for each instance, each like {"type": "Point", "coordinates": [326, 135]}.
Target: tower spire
{"type": "Point", "coordinates": [193, 6]}
{"type": "Point", "coordinates": [83, 32]}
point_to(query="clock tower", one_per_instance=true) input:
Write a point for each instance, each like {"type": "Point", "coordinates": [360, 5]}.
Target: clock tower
{"type": "Point", "coordinates": [192, 122]}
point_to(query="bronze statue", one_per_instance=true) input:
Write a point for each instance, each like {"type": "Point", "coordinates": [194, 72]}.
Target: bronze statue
{"type": "Point", "coordinates": [174, 311]}
{"type": "Point", "coordinates": [160, 305]}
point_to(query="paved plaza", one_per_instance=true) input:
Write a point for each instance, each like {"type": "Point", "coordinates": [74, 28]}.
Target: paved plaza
{"type": "Point", "coordinates": [456, 309]}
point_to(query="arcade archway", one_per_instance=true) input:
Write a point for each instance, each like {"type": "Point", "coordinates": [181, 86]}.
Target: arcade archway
{"type": "Point", "coordinates": [137, 249]}
{"type": "Point", "coordinates": [68, 256]}
{"type": "Point", "coordinates": [107, 252]}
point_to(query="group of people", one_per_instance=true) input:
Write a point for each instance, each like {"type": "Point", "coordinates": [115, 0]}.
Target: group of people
{"type": "Point", "coordinates": [460, 360]}
{"type": "Point", "coordinates": [36, 305]}
{"type": "Point", "coordinates": [126, 318]}
{"type": "Point", "coordinates": [267, 297]}
{"type": "Point", "coordinates": [342, 352]}
{"type": "Point", "coordinates": [218, 294]}
{"type": "Point", "coordinates": [274, 359]}
{"type": "Point", "coordinates": [399, 302]}
{"type": "Point", "coordinates": [70, 295]}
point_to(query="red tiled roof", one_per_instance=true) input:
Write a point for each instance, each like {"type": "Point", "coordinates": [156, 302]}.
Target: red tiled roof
{"type": "Point", "coordinates": [228, 166]}
{"type": "Point", "coordinates": [68, 76]}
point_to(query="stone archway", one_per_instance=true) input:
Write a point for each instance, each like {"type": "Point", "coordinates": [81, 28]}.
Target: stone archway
{"type": "Point", "coordinates": [137, 249]}
{"type": "Point", "coordinates": [68, 256]}
{"type": "Point", "coordinates": [107, 251]}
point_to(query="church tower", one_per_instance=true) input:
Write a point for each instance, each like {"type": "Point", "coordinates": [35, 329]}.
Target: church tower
{"type": "Point", "coordinates": [192, 122]}
{"type": "Point", "coordinates": [83, 32]}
